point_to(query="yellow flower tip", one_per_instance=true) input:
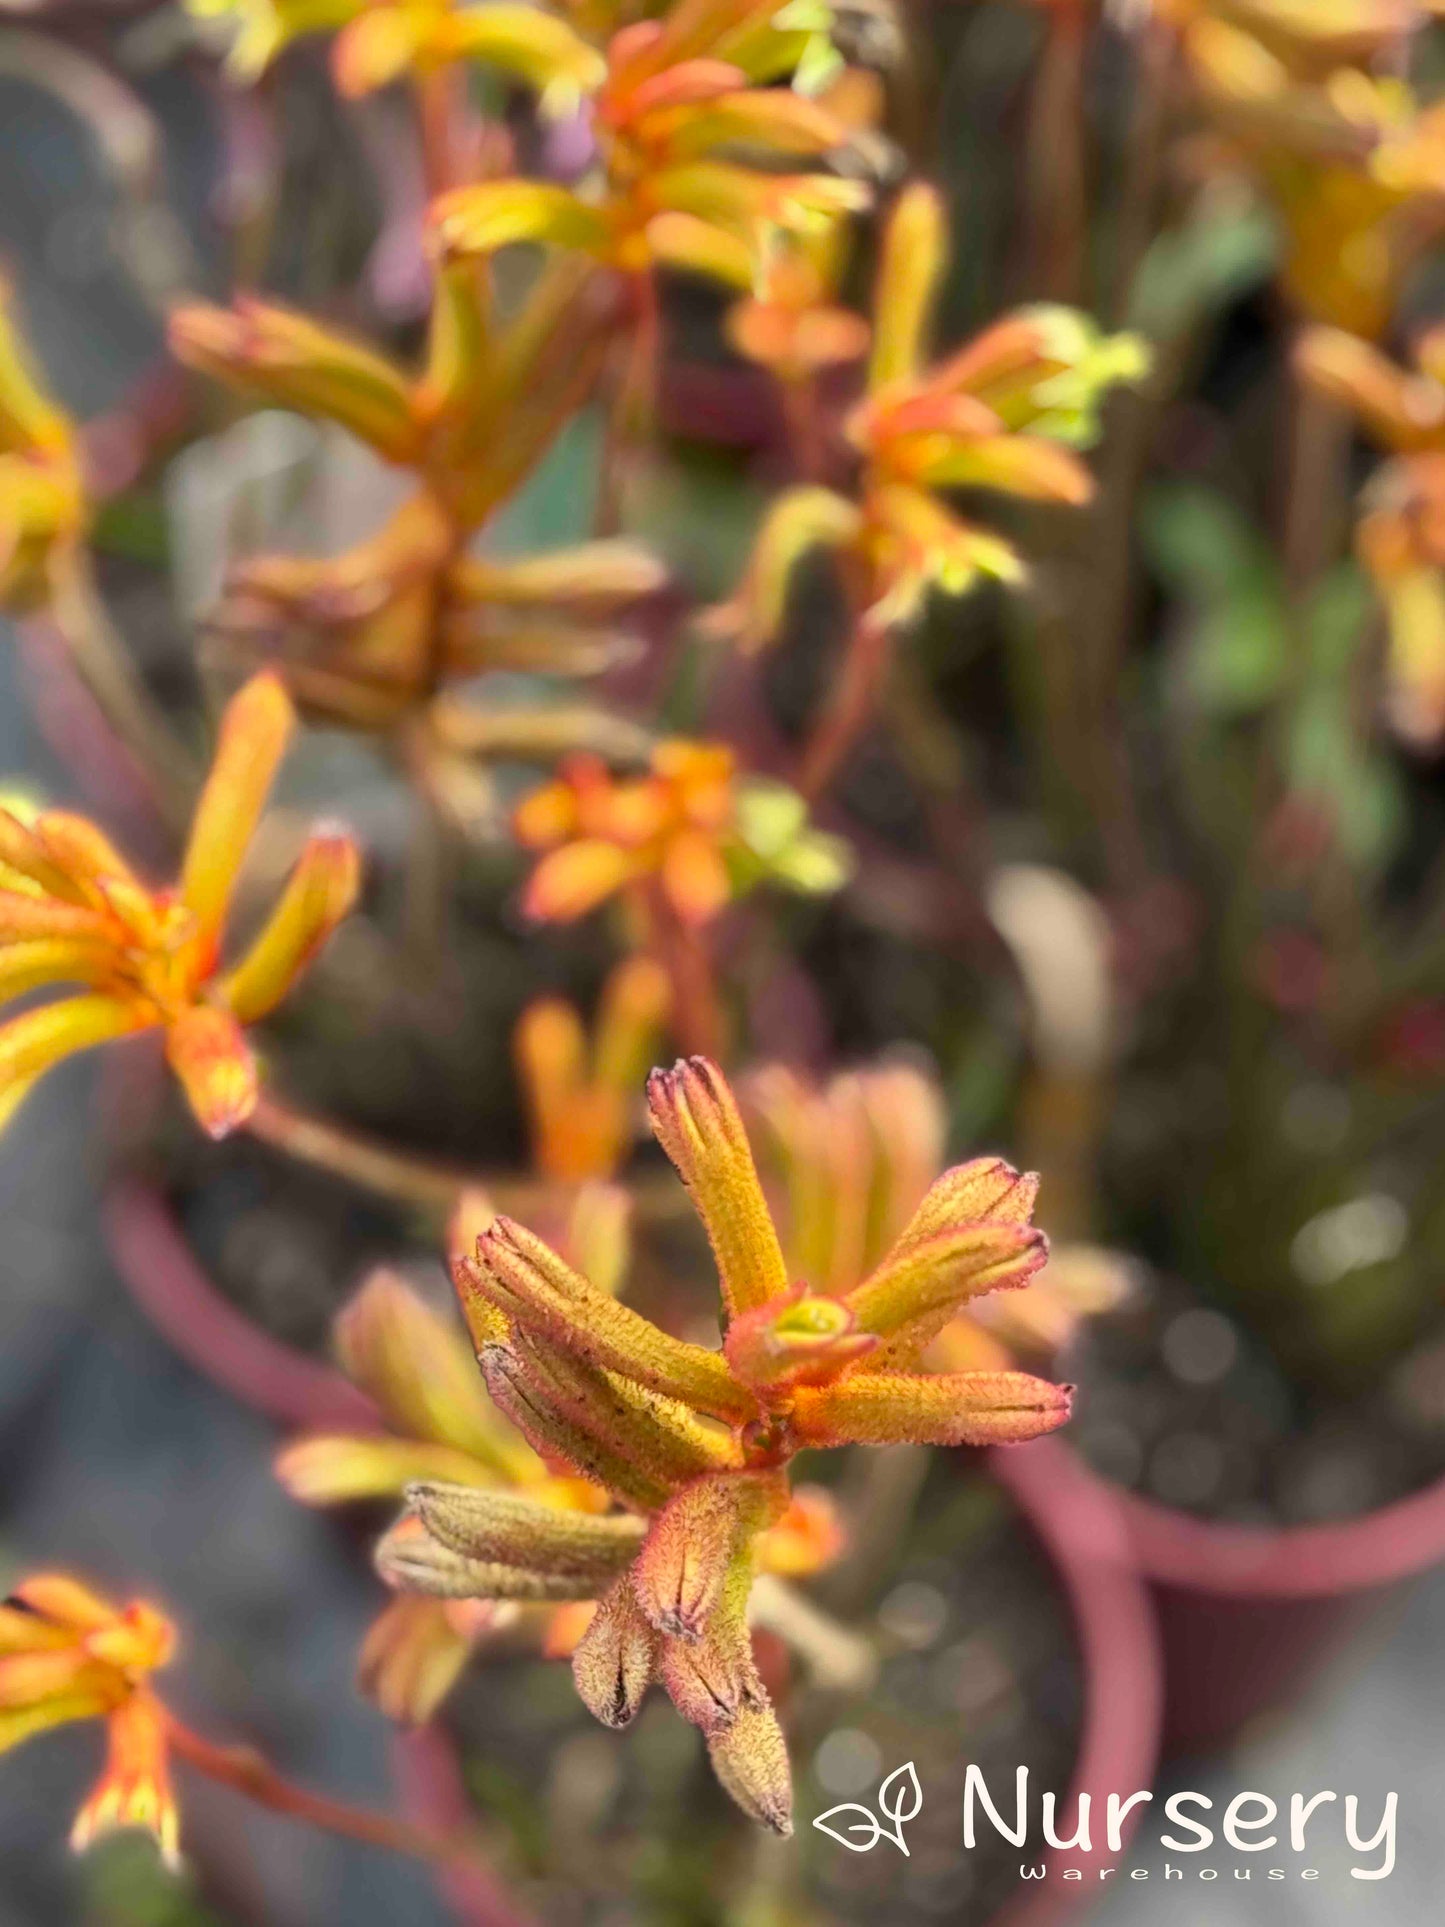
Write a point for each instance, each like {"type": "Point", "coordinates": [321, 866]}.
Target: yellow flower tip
{"type": "Point", "coordinates": [209, 1054]}
{"type": "Point", "coordinates": [802, 1338]}
{"type": "Point", "coordinates": [135, 1789]}
{"type": "Point", "coordinates": [571, 881]}
{"type": "Point", "coordinates": [256, 727]}
{"type": "Point", "coordinates": [414, 1653]}
{"type": "Point", "coordinates": [750, 1759]}
{"type": "Point", "coordinates": [695, 1119]}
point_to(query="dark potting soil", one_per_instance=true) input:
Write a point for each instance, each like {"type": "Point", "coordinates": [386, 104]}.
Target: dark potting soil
{"type": "Point", "coordinates": [978, 1666]}
{"type": "Point", "coordinates": [1179, 1401]}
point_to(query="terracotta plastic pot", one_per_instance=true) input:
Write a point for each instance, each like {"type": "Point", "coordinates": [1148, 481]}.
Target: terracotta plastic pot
{"type": "Point", "coordinates": [1247, 1613]}
{"type": "Point", "coordinates": [1079, 1525]}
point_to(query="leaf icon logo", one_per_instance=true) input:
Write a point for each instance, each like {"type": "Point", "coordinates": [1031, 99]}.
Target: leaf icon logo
{"type": "Point", "coordinates": [900, 1799]}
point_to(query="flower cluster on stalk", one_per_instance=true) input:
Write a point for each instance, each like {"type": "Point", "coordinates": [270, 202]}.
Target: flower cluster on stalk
{"type": "Point", "coordinates": [693, 1445]}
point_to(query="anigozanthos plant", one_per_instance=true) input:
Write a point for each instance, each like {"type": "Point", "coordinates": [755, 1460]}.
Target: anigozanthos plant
{"type": "Point", "coordinates": [694, 1444]}
{"type": "Point", "coordinates": [1400, 537]}
{"type": "Point", "coordinates": [689, 835]}
{"type": "Point", "coordinates": [370, 637]}
{"type": "Point", "coordinates": [1004, 412]}
{"type": "Point", "coordinates": [1341, 145]}
{"type": "Point", "coordinates": [441, 1426]}
{"type": "Point", "coordinates": [72, 911]}
{"type": "Point", "coordinates": [581, 1091]}
{"type": "Point", "coordinates": [67, 1655]}
{"type": "Point", "coordinates": [678, 120]}
{"type": "Point", "coordinates": [411, 38]}
{"type": "Point", "coordinates": [42, 495]}
{"type": "Point", "coordinates": [848, 1160]}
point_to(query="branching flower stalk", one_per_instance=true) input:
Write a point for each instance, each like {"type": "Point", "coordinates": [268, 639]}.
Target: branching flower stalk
{"type": "Point", "coordinates": [694, 1444]}
{"type": "Point", "coordinates": [67, 1655]}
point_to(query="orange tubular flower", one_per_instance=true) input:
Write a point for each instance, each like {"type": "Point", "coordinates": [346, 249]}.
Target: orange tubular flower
{"type": "Point", "coordinates": [445, 1429]}
{"type": "Point", "coordinates": [42, 498]}
{"type": "Point", "coordinates": [1342, 148]}
{"type": "Point", "coordinates": [695, 1443]}
{"type": "Point", "coordinates": [1401, 535]}
{"type": "Point", "coordinates": [996, 415]}
{"type": "Point", "coordinates": [67, 1655]}
{"type": "Point", "coordinates": [580, 1092]}
{"type": "Point", "coordinates": [850, 1160]}
{"type": "Point", "coordinates": [679, 101]}
{"type": "Point", "coordinates": [690, 830]}
{"type": "Point", "coordinates": [73, 912]}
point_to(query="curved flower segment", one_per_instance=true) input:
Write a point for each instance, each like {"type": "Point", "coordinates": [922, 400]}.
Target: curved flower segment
{"type": "Point", "coordinates": [67, 1655]}
{"type": "Point", "coordinates": [72, 911]}
{"type": "Point", "coordinates": [1309, 93]}
{"type": "Point", "coordinates": [581, 1091]}
{"type": "Point", "coordinates": [694, 1444]}
{"type": "Point", "coordinates": [1401, 534]}
{"type": "Point", "coordinates": [364, 637]}
{"type": "Point", "coordinates": [42, 497]}
{"type": "Point", "coordinates": [689, 830]}
{"type": "Point", "coordinates": [1004, 413]}
{"type": "Point", "coordinates": [685, 138]}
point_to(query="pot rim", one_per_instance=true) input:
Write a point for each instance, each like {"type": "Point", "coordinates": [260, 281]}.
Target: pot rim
{"type": "Point", "coordinates": [1174, 1548]}
{"type": "Point", "coordinates": [1080, 1527]}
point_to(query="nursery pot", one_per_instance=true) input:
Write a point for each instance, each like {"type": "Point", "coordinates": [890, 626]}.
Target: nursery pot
{"type": "Point", "coordinates": [1080, 1527]}
{"type": "Point", "coordinates": [1247, 1613]}
{"type": "Point", "coordinates": [1076, 1520]}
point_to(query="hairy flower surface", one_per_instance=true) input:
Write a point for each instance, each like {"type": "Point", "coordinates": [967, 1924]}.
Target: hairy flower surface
{"type": "Point", "coordinates": [1401, 533]}
{"type": "Point", "coordinates": [42, 498]}
{"type": "Point", "coordinates": [694, 1443]}
{"type": "Point", "coordinates": [72, 911]}
{"type": "Point", "coordinates": [1000, 413]}
{"type": "Point", "coordinates": [66, 1654]}
{"type": "Point", "coordinates": [680, 127]}
{"type": "Point", "coordinates": [690, 829]}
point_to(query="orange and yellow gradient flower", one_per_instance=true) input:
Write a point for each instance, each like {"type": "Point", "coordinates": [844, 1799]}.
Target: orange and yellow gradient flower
{"type": "Point", "coordinates": [42, 496]}
{"type": "Point", "coordinates": [679, 103]}
{"type": "Point", "coordinates": [67, 1655]}
{"type": "Point", "coordinates": [581, 1091]}
{"type": "Point", "coordinates": [1003, 413]}
{"type": "Point", "coordinates": [1400, 537]}
{"type": "Point", "coordinates": [73, 912]}
{"type": "Point", "coordinates": [691, 834]}
{"type": "Point", "coordinates": [695, 1444]}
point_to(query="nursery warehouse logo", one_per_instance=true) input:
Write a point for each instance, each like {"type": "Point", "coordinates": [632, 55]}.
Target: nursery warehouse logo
{"type": "Point", "coordinates": [1250, 1823]}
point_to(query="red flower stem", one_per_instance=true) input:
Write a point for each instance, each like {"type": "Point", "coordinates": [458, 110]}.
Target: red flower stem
{"type": "Point", "coordinates": [248, 1773]}
{"type": "Point", "coordinates": [431, 1188]}
{"type": "Point", "coordinates": [685, 954]}
{"type": "Point", "coordinates": [855, 695]}
{"type": "Point", "coordinates": [438, 102]}
{"type": "Point", "coordinates": [1057, 164]}
{"type": "Point", "coordinates": [209, 1332]}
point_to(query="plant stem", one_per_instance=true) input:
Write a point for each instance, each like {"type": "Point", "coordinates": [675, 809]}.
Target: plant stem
{"type": "Point", "coordinates": [1057, 193]}
{"type": "Point", "coordinates": [865, 661]}
{"type": "Point", "coordinates": [407, 1180]}
{"type": "Point", "coordinates": [837, 1658]}
{"type": "Point", "coordinates": [1143, 160]}
{"type": "Point", "coordinates": [81, 620]}
{"type": "Point", "coordinates": [247, 1772]}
